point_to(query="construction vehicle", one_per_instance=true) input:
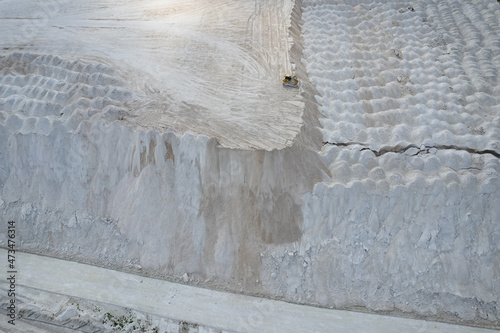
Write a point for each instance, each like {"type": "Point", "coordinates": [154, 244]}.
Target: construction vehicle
{"type": "Point", "coordinates": [290, 81]}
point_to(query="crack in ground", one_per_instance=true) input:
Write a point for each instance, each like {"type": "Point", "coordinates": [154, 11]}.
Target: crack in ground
{"type": "Point", "coordinates": [403, 149]}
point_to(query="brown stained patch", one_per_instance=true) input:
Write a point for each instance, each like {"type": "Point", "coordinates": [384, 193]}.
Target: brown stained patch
{"type": "Point", "coordinates": [282, 221]}
{"type": "Point", "coordinates": [151, 154]}
{"type": "Point", "coordinates": [261, 154]}
{"type": "Point", "coordinates": [367, 106]}
{"type": "Point", "coordinates": [259, 220]}
{"type": "Point", "coordinates": [132, 161]}
{"type": "Point", "coordinates": [267, 238]}
{"type": "Point", "coordinates": [256, 197]}
{"type": "Point", "coordinates": [396, 53]}
{"type": "Point", "coordinates": [143, 158]}
{"type": "Point", "coordinates": [147, 156]}
{"type": "Point", "coordinates": [246, 262]}
{"type": "Point", "coordinates": [169, 155]}
{"type": "Point", "coordinates": [365, 94]}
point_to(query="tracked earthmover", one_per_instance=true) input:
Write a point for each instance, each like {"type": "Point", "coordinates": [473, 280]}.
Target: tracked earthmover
{"type": "Point", "coordinates": [290, 81]}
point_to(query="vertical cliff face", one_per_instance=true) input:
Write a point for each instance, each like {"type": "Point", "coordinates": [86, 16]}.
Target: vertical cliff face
{"type": "Point", "coordinates": [255, 199]}
{"type": "Point", "coordinates": [172, 204]}
{"type": "Point", "coordinates": [409, 109]}
{"type": "Point", "coordinates": [90, 178]}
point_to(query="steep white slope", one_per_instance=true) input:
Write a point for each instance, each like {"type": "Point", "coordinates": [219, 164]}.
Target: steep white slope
{"type": "Point", "coordinates": [408, 218]}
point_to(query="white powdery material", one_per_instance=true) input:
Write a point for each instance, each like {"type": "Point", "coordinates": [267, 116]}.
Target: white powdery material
{"type": "Point", "coordinates": [75, 159]}
{"type": "Point", "coordinates": [379, 66]}
{"type": "Point", "coordinates": [408, 216]}
{"type": "Point", "coordinates": [425, 246]}
{"type": "Point", "coordinates": [397, 211]}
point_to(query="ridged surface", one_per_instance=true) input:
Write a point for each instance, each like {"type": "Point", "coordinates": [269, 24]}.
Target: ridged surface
{"type": "Point", "coordinates": [407, 218]}
{"type": "Point", "coordinates": [41, 92]}
{"type": "Point", "coordinates": [390, 74]}
{"type": "Point", "coordinates": [213, 67]}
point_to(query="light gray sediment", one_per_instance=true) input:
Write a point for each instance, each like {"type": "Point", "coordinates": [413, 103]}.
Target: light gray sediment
{"type": "Point", "coordinates": [295, 224]}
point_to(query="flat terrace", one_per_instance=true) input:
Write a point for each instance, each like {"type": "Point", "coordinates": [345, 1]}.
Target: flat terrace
{"type": "Point", "coordinates": [211, 67]}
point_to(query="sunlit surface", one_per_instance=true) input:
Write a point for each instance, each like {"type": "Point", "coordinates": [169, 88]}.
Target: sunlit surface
{"type": "Point", "coordinates": [212, 67]}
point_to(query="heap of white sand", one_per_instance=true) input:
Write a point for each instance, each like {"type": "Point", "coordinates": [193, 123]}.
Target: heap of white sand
{"type": "Point", "coordinates": [156, 136]}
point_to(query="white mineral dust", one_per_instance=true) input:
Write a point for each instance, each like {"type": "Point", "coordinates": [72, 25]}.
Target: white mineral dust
{"type": "Point", "coordinates": [156, 136]}
{"type": "Point", "coordinates": [211, 67]}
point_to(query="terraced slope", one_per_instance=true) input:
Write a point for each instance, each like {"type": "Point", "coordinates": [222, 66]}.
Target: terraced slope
{"type": "Point", "coordinates": [38, 92]}
{"type": "Point", "coordinates": [390, 75]}
{"type": "Point", "coordinates": [407, 219]}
